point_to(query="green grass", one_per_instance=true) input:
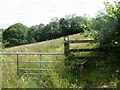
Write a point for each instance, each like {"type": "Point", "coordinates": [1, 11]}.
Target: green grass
{"type": "Point", "coordinates": [1, 77]}
{"type": "Point", "coordinates": [57, 79]}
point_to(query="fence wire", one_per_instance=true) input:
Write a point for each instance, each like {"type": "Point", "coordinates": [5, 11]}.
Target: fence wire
{"type": "Point", "coordinates": [38, 66]}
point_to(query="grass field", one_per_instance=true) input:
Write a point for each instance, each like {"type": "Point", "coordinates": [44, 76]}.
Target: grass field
{"type": "Point", "coordinates": [0, 59]}
{"type": "Point", "coordinates": [59, 79]}
{"type": "Point", "coordinates": [0, 41]}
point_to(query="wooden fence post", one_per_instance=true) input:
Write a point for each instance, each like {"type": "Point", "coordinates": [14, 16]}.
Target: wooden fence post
{"type": "Point", "coordinates": [17, 63]}
{"type": "Point", "coordinates": [66, 45]}
{"type": "Point", "coordinates": [79, 72]}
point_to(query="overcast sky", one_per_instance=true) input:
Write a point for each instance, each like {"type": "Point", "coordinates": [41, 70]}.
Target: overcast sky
{"type": "Point", "coordinates": [32, 12]}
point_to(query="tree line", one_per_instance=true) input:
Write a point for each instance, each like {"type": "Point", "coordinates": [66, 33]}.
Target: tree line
{"type": "Point", "coordinates": [19, 34]}
{"type": "Point", "coordinates": [105, 27]}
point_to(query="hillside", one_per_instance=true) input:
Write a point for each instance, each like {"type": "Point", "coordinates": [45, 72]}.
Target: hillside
{"type": "Point", "coordinates": [55, 45]}
{"type": "Point", "coordinates": [85, 64]}
{"type": "Point", "coordinates": [96, 74]}
{"type": "Point", "coordinates": [0, 40]}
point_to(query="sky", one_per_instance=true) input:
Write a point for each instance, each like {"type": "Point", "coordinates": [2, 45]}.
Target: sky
{"type": "Point", "coordinates": [33, 12]}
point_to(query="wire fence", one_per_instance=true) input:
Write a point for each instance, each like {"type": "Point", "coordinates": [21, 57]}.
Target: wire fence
{"type": "Point", "coordinates": [30, 62]}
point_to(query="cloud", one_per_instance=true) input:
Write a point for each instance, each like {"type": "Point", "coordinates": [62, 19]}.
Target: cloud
{"type": "Point", "coordinates": [31, 12]}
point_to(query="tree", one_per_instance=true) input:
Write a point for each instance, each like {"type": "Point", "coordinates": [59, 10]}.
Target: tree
{"type": "Point", "coordinates": [35, 33]}
{"type": "Point", "coordinates": [64, 26]}
{"type": "Point", "coordinates": [39, 34]}
{"type": "Point", "coordinates": [106, 24]}
{"type": "Point", "coordinates": [71, 24]}
{"type": "Point", "coordinates": [54, 28]}
{"type": "Point", "coordinates": [32, 34]}
{"type": "Point", "coordinates": [75, 24]}
{"type": "Point", "coordinates": [15, 35]}
{"type": "Point", "coordinates": [109, 34]}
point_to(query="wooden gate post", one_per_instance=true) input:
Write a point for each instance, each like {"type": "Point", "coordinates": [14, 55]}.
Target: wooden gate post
{"type": "Point", "coordinates": [79, 72]}
{"type": "Point", "coordinates": [66, 45]}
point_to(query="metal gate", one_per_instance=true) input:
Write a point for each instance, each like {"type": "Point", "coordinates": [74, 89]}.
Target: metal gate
{"type": "Point", "coordinates": [30, 63]}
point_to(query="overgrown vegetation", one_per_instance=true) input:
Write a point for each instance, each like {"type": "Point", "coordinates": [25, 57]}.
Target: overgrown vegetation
{"type": "Point", "coordinates": [57, 79]}
{"type": "Point", "coordinates": [101, 72]}
{"type": "Point", "coordinates": [105, 27]}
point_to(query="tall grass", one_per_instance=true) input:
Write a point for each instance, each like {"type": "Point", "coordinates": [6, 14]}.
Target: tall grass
{"type": "Point", "coordinates": [56, 79]}
{"type": "Point", "coordinates": [10, 78]}
{"type": "Point", "coordinates": [1, 76]}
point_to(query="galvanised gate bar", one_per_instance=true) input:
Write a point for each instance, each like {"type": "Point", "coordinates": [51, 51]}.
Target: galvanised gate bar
{"type": "Point", "coordinates": [40, 62]}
